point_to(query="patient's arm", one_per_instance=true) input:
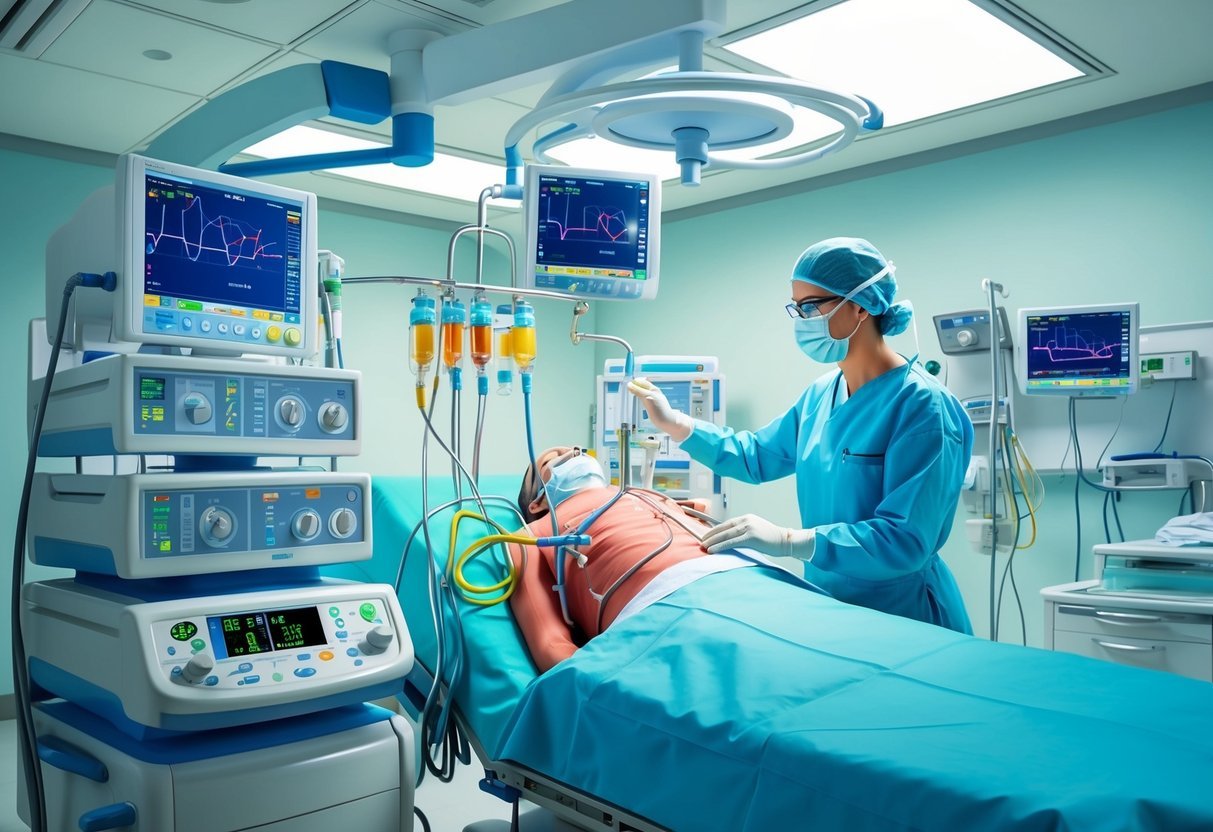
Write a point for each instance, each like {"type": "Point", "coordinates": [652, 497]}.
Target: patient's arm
{"type": "Point", "coordinates": [537, 610]}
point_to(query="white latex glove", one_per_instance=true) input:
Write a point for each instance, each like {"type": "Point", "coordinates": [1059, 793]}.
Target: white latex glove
{"type": "Point", "coordinates": [754, 532]}
{"type": "Point", "coordinates": [674, 422]}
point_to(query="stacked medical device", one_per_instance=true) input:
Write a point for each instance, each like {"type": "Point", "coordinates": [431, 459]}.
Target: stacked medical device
{"type": "Point", "coordinates": [197, 672]}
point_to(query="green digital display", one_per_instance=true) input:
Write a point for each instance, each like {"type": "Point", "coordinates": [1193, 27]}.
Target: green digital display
{"type": "Point", "coordinates": [249, 634]}
{"type": "Point", "coordinates": [245, 635]}
{"type": "Point", "coordinates": [151, 388]}
{"type": "Point", "coordinates": [184, 630]}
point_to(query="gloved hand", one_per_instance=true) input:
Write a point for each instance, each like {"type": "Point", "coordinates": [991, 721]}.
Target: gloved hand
{"type": "Point", "coordinates": [674, 422]}
{"type": "Point", "coordinates": [754, 532]}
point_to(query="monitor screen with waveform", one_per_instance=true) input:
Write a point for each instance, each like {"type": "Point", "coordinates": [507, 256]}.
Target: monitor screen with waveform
{"type": "Point", "coordinates": [592, 232]}
{"type": "Point", "coordinates": [1079, 351]}
{"type": "Point", "coordinates": [221, 262]}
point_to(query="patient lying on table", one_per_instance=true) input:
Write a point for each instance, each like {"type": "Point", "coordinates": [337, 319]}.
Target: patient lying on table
{"type": "Point", "coordinates": [643, 548]}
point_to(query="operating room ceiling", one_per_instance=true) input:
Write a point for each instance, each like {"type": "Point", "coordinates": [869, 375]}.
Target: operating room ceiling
{"type": "Point", "coordinates": [109, 75]}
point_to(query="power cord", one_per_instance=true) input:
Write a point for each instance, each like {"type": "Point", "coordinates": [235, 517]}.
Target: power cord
{"type": "Point", "coordinates": [27, 735]}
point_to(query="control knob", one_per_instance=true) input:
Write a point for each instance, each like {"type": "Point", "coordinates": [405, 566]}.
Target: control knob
{"type": "Point", "coordinates": [306, 524]}
{"type": "Point", "coordinates": [333, 417]}
{"type": "Point", "coordinates": [343, 523]}
{"type": "Point", "coordinates": [197, 668]}
{"type": "Point", "coordinates": [966, 337]}
{"type": "Point", "coordinates": [377, 639]}
{"type": "Point", "coordinates": [197, 408]}
{"type": "Point", "coordinates": [217, 526]}
{"type": "Point", "coordinates": [290, 411]}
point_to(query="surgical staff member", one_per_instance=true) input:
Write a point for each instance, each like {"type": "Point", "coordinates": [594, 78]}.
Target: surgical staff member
{"type": "Point", "coordinates": [878, 447]}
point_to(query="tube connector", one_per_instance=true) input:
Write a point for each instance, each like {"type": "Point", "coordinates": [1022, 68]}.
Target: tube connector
{"type": "Point", "coordinates": [565, 540]}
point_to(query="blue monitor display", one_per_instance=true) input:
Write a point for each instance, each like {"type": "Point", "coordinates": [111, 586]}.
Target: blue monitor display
{"type": "Point", "coordinates": [592, 232]}
{"type": "Point", "coordinates": [1079, 351]}
{"type": "Point", "coordinates": [220, 262]}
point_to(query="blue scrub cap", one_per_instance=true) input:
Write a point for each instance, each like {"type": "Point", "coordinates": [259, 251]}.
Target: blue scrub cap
{"type": "Point", "coordinates": [839, 264]}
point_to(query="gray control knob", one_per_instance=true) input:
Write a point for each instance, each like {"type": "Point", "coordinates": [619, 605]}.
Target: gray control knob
{"type": "Point", "coordinates": [342, 523]}
{"type": "Point", "coordinates": [197, 668]}
{"type": "Point", "coordinates": [333, 417]}
{"type": "Point", "coordinates": [378, 639]}
{"type": "Point", "coordinates": [197, 408]}
{"type": "Point", "coordinates": [217, 526]}
{"type": "Point", "coordinates": [306, 524]}
{"type": "Point", "coordinates": [291, 412]}
{"type": "Point", "coordinates": [966, 337]}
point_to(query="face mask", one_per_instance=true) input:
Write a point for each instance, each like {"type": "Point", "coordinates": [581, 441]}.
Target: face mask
{"type": "Point", "coordinates": [813, 334]}
{"type": "Point", "coordinates": [573, 475]}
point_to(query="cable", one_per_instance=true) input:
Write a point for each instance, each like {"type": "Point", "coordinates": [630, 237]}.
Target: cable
{"type": "Point", "coordinates": [1099, 462]}
{"type": "Point", "coordinates": [1077, 483]}
{"type": "Point", "coordinates": [425, 822]}
{"type": "Point", "coordinates": [27, 735]}
{"type": "Point", "coordinates": [1167, 424]}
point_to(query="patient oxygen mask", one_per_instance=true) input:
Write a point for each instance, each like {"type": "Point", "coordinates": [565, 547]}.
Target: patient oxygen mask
{"type": "Point", "coordinates": [422, 325]}
{"type": "Point", "coordinates": [482, 341]}
{"type": "Point", "coordinates": [454, 321]}
{"type": "Point", "coordinates": [572, 474]}
{"type": "Point", "coordinates": [502, 334]}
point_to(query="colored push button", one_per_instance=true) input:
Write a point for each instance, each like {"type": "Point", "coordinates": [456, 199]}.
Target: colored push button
{"type": "Point", "coordinates": [357, 662]}
{"type": "Point", "coordinates": [205, 326]}
{"type": "Point", "coordinates": [198, 644]}
{"type": "Point", "coordinates": [340, 624]}
{"type": "Point", "coordinates": [367, 611]}
{"type": "Point", "coordinates": [183, 630]}
{"type": "Point", "coordinates": [172, 651]}
{"type": "Point", "coordinates": [352, 652]}
{"type": "Point", "coordinates": [277, 677]}
{"type": "Point", "coordinates": [325, 655]}
{"type": "Point", "coordinates": [293, 337]}
{"type": "Point", "coordinates": [305, 672]}
{"type": "Point", "coordinates": [252, 680]}
{"type": "Point", "coordinates": [211, 681]}
{"type": "Point", "coordinates": [273, 334]}
{"type": "Point", "coordinates": [303, 657]}
{"type": "Point", "coordinates": [334, 612]}
{"type": "Point", "coordinates": [343, 634]}
{"type": "Point", "coordinates": [244, 667]}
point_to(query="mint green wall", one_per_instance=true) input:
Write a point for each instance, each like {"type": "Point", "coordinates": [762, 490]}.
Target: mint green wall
{"type": "Point", "coordinates": [1120, 209]}
{"type": "Point", "coordinates": [1101, 214]}
{"type": "Point", "coordinates": [40, 193]}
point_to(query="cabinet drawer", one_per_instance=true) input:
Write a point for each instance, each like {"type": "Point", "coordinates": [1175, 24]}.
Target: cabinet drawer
{"type": "Point", "coordinates": [1134, 623]}
{"type": "Point", "coordinates": [1182, 657]}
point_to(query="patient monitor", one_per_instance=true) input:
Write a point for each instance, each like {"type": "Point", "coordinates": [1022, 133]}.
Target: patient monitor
{"type": "Point", "coordinates": [204, 260]}
{"type": "Point", "coordinates": [1078, 350]}
{"type": "Point", "coordinates": [591, 232]}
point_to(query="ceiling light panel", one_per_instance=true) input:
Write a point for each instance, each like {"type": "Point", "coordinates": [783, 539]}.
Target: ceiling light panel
{"type": "Point", "coordinates": [913, 59]}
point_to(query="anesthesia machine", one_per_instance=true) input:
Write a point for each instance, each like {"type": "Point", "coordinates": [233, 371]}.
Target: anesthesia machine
{"type": "Point", "coordinates": [692, 384]}
{"type": "Point", "coordinates": [197, 672]}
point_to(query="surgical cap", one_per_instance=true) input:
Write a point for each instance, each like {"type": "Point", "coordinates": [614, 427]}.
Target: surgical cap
{"type": "Point", "coordinates": [839, 264]}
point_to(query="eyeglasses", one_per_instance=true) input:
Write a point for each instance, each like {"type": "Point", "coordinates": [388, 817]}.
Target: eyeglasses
{"type": "Point", "coordinates": [809, 308]}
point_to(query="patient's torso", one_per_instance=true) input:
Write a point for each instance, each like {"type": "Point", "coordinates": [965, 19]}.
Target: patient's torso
{"type": "Point", "coordinates": [633, 529]}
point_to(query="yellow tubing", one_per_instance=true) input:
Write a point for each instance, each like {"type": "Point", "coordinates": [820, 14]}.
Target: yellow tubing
{"type": "Point", "coordinates": [454, 566]}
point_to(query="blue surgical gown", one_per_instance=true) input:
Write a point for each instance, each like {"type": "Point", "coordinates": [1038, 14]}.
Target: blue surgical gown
{"type": "Point", "coordinates": [878, 476]}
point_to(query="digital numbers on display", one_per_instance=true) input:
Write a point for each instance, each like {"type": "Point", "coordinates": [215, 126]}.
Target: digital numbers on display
{"type": "Point", "coordinates": [249, 634]}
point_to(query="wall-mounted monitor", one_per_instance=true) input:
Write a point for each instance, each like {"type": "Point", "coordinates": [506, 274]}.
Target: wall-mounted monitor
{"type": "Point", "coordinates": [1078, 350]}
{"type": "Point", "coordinates": [204, 260]}
{"type": "Point", "coordinates": [592, 232]}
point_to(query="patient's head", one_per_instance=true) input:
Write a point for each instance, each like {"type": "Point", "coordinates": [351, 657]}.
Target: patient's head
{"type": "Point", "coordinates": [565, 470]}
